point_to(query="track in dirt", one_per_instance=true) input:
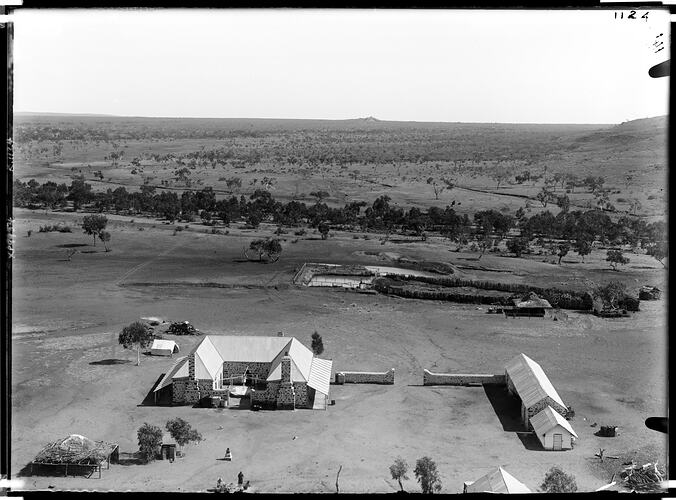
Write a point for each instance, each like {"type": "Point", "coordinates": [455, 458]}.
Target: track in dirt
{"type": "Point", "coordinates": [143, 264]}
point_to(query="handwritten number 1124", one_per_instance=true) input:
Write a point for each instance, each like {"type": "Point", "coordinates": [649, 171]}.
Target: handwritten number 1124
{"type": "Point", "coordinates": [630, 15]}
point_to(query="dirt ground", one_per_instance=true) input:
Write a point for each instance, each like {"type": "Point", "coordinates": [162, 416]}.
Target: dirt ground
{"type": "Point", "coordinates": [69, 375]}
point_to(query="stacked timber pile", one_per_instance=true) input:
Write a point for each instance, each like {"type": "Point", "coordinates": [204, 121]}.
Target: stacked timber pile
{"type": "Point", "coordinates": [645, 477]}
{"type": "Point", "coordinates": [182, 328]}
{"type": "Point", "coordinates": [77, 450]}
{"type": "Point", "coordinates": [649, 293]}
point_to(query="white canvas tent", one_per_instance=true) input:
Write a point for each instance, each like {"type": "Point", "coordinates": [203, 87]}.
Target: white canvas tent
{"type": "Point", "coordinates": [496, 481]}
{"type": "Point", "coordinates": [163, 347]}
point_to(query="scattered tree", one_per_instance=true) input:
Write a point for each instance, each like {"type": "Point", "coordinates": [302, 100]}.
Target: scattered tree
{"type": "Point", "coordinates": [557, 481]}
{"type": "Point", "coordinates": [545, 196]}
{"type": "Point", "coordinates": [582, 246]}
{"type": "Point", "coordinates": [317, 344]}
{"type": "Point", "coordinates": [268, 247]}
{"type": "Point", "coordinates": [611, 293]}
{"type": "Point", "coordinates": [563, 250]}
{"type": "Point", "coordinates": [659, 251]}
{"type": "Point", "coordinates": [427, 475]}
{"type": "Point", "coordinates": [399, 470]}
{"type": "Point", "coordinates": [136, 334]}
{"type": "Point", "coordinates": [94, 224]}
{"type": "Point", "coordinates": [182, 432]}
{"type": "Point", "coordinates": [615, 257]}
{"type": "Point", "coordinates": [79, 192]}
{"type": "Point", "coordinates": [149, 441]}
{"type": "Point", "coordinates": [323, 228]}
{"type": "Point", "coordinates": [563, 202]}
{"type": "Point", "coordinates": [517, 246]}
{"type": "Point", "coordinates": [435, 187]}
{"type": "Point", "coordinates": [500, 175]}
{"type": "Point", "coordinates": [104, 236]}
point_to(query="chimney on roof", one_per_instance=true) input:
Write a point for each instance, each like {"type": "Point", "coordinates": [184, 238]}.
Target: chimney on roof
{"type": "Point", "coordinates": [286, 368]}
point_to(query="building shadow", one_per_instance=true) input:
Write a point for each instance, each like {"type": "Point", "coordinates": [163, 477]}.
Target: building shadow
{"type": "Point", "coordinates": [506, 407]}
{"type": "Point", "coordinates": [530, 441]}
{"type": "Point", "coordinates": [50, 470]}
{"type": "Point", "coordinates": [133, 458]}
{"type": "Point", "coordinates": [149, 399]}
{"type": "Point", "coordinates": [107, 362]}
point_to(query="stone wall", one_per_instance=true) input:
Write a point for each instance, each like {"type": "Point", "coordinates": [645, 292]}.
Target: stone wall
{"type": "Point", "coordinates": [286, 397]}
{"type": "Point", "coordinates": [542, 404]}
{"type": "Point", "coordinates": [301, 391]}
{"type": "Point", "coordinates": [431, 378]}
{"type": "Point", "coordinates": [178, 388]}
{"type": "Point", "coordinates": [194, 390]}
{"type": "Point", "coordinates": [266, 397]}
{"type": "Point", "coordinates": [365, 377]}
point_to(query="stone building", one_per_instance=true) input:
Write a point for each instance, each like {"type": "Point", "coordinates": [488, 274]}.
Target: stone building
{"type": "Point", "coordinates": [279, 372]}
{"type": "Point", "coordinates": [527, 380]}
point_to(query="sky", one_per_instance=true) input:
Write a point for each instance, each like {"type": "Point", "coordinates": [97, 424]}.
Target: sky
{"type": "Point", "coordinates": [417, 65]}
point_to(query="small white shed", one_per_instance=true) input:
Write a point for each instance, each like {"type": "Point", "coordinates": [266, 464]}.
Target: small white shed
{"type": "Point", "coordinates": [162, 347]}
{"type": "Point", "coordinates": [553, 431]}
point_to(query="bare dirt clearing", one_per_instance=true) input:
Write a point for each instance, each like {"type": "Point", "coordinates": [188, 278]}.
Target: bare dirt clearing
{"type": "Point", "coordinates": [70, 375]}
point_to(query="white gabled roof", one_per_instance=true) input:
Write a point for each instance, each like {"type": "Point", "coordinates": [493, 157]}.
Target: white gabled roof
{"type": "Point", "coordinates": [497, 481]}
{"type": "Point", "coordinates": [163, 344]}
{"type": "Point", "coordinates": [180, 369]}
{"type": "Point", "coordinates": [547, 419]}
{"type": "Point", "coordinates": [243, 348]}
{"type": "Point", "coordinates": [213, 350]}
{"type": "Point", "coordinates": [320, 375]}
{"type": "Point", "coordinates": [530, 381]}
{"type": "Point", "coordinates": [301, 361]}
{"type": "Point", "coordinates": [207, 360]}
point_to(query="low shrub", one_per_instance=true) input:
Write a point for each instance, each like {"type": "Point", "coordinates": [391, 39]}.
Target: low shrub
{"type": "Point", "coordinates": [55, 227]}
{"type": "Point", "coordinates": [608, 431]}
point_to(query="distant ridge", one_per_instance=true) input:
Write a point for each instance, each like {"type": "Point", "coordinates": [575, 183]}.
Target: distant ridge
{"type": "Point", "coordinates": [38, 113]}
{"type": "Point", "coordinates": [640, 122]}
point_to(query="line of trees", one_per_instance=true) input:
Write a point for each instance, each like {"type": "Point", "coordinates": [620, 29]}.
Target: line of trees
{"type": "Point", "coordinates": [573, 230]}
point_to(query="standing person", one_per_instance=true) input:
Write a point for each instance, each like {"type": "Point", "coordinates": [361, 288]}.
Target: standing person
{"type": "Point", "coordinates": [240, 478]}
{"type": "Point", "coordinates": [228, 456]}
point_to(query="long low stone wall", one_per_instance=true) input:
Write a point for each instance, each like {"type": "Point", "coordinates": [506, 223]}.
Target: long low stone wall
{"type": "Point", "coordinates": [430, 378]}
{"type": "Point", "coordinates": [365, 377]}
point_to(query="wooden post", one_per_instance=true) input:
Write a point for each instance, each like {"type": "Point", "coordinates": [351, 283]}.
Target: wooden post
{"type": "Point", "coordinates": [66, 469]}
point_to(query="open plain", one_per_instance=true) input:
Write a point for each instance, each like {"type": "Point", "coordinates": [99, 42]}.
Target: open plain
{"type": "Point", "coordinates": [70, 375]}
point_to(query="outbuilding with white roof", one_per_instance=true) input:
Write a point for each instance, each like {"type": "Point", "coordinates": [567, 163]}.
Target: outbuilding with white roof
{"type": "Point", "coordinates": [527, 380]}
{"type": "Point", "coordinates": [553, 431]}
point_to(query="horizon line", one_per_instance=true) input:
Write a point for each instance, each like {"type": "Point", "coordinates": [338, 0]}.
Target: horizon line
{"type": "Point", "coordinates": [106, 115]}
